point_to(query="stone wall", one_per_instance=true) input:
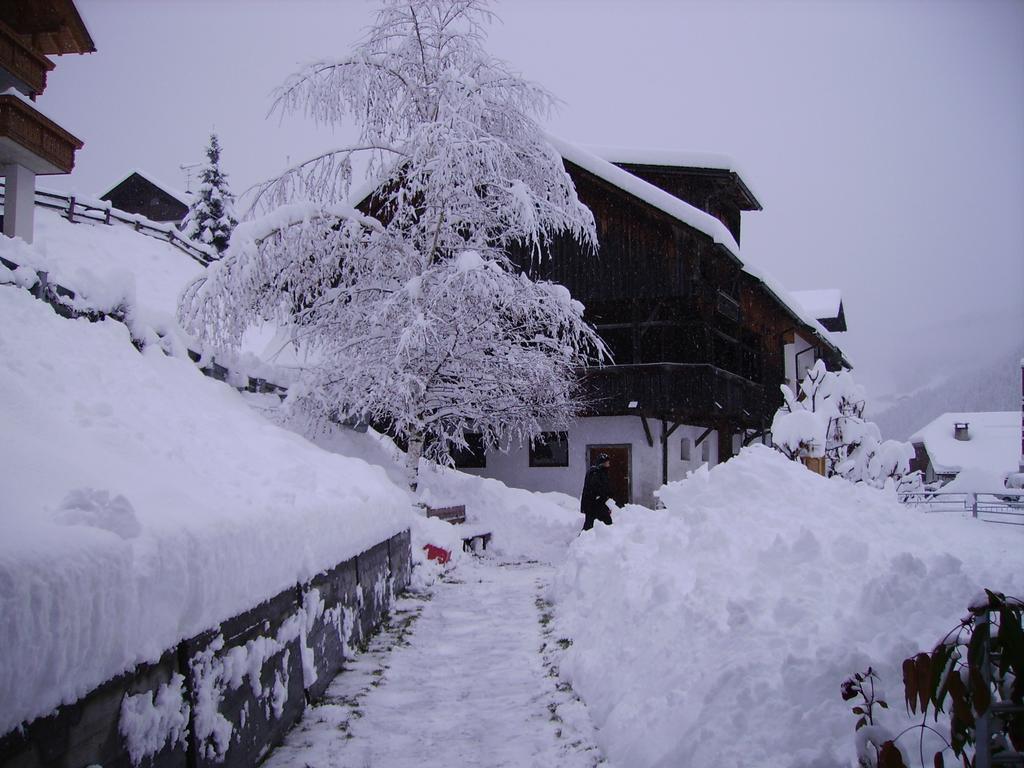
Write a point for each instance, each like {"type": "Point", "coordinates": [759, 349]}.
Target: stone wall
{"type": "Point", "coordinates": [225, 697]}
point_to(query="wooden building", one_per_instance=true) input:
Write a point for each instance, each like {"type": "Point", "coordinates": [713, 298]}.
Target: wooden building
{"type": "Point", "coordinates": [140, 193]}
{"type": "Point", "coordinates": [30, 143]}
{"type": "Point", "coordinates": [701, 340]}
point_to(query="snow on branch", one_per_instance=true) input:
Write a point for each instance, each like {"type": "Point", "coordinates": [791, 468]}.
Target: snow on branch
{"type": "Point", "coordinates": [827, 420]}
{"type": "Point", "coordinates": [411, 312]}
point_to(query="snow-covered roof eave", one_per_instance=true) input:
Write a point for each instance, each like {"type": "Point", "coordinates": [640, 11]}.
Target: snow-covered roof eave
{"type": "Point", "coordinates": [678, 209]}
{"type": "Point", "coordinates": [693, 217]}
{"type": "Point", "coordinates": [799, 314]}
{"type": "Point", "coordinates": [993, 443]}
{"type": "Point", "coordinates": [185, 198]}
{"type": "Point", "coordinates": [678, 159]}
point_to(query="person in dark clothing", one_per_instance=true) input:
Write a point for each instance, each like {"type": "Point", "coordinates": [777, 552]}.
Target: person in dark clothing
{"type": "Point", "coordinates": [596, 492]}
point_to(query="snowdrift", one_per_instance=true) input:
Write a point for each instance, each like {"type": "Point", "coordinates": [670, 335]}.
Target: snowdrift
{"type": "Point", "coordinates": [143, 503]}
{"type": "Point", "coordinates": [106, 264]}
{"type": "Point", "coordinates": [718, 631]}
{"type": "Point", "coordinates": [525, 524]}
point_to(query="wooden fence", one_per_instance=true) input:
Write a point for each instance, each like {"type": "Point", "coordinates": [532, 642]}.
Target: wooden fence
{"type": "Point", "coordinates": [77, 208]}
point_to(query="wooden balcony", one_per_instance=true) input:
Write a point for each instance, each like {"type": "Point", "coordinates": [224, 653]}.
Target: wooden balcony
{"type": "Point", "coordinates": [21, 66]}
{"type": "Point", "coordinates": [694, 393]}
{"type": "Point", "coordinates": [32, 140]}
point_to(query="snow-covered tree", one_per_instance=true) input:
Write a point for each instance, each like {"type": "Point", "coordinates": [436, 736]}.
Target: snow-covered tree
{"type": "Point", "coordinates": [409, 309]}
{"type": "Point", "coordinates": [211, 217]}
{"type": "Point", "coordinates": [826, 419]}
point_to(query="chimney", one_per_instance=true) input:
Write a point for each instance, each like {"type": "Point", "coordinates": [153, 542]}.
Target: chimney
{"type": "Point", "coordinates": [960, 431]}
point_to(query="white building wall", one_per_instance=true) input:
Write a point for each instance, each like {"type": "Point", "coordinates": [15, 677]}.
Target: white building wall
{"type": "Point", "coordinates": [790, 352]}
{"type": "Point", "coordinates": [513, 467]}
{"type": "Point", "coordinates": [19, 201]}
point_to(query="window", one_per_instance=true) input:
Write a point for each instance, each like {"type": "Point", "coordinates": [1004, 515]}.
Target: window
{"type": "Point", "coordinates": [684, 449]}
{"type": "Point", "coordinates": [550, 449]}
{"type": "Point", "coordinates": [705, 450]}
{"type": "Point", "coordinates": [472, 457]}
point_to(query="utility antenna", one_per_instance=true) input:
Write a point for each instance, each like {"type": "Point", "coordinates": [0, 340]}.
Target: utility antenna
{"type": "Point", "coordinates": [187, 168]}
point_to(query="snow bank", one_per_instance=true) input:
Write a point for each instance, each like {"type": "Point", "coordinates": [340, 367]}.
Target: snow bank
{"type": "Point", "coordinates": [143, 503]}
{"type": "Point", "coordinates": [525, 524]}
{"type": "Point", "coordinates": [718, 631]}
{"type": "Point", "coordinates": [96, 260]}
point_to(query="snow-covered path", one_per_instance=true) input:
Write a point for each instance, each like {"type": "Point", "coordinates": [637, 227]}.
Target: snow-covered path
{"type": "Point", "coordinates": [463, 676]}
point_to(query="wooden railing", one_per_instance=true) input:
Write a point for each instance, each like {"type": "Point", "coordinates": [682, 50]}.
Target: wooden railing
{"type": "Point", "coordinates": [77, 208]}
{"type": "Point", "coordinates": [687, 390]}
{"type": "Point", "coordinates": [35, 132]}
{"type": "Point", "coordinates": [22, 61]}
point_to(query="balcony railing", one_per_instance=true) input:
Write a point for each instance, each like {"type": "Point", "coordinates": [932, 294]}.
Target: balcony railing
{"type": "Point", "coordinates": [690, 392]}
{"type": "Point", "coordinates": [50, 148]}
{"type": "Point", "coordinates": [22, 61]}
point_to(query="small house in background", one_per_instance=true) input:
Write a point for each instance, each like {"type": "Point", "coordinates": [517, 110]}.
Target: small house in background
{"type": "Point", "coordinates": [31, 144]}
{"type": "Point", "coordinates": [986, 445]}
{"type": "Point", "coordinates": [141, 193]}
{"type": "Point", "coordinates": [825, 306]}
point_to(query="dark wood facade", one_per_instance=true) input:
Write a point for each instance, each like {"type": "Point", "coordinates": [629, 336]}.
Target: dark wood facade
{"type": "Point", "coordinates": [29, 30]}
{"type": "Point", "coordinates": [33, 140]}
{"type": "Point", "coordinates": [695, 339]}
{"type": "Point", "coordinates": [51, 27]}
{"type": "Point", "coordinates": [720, 192]}
{"type": "Point", "coordinates": [137, 194]}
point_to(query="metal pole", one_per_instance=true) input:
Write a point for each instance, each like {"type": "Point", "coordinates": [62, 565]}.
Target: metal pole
{"type": "Point", "coordinates": [1020, 465]}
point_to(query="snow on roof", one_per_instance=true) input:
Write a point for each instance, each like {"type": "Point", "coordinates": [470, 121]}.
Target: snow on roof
{"type": "Point", "coordinates": [689, 215]}
{"type": "Point", "coordinates": [994, 443]}
{"type": "Point", "coordinates": [674, 158]}
{"type": "Point", "coordinates": [185, 198]}
{"type": "Point", "coordinates": [650, 194]}
{"type": "Point", "coordinates": [785, 298]}
{"type": "Point", "coordinates": [823, 303]}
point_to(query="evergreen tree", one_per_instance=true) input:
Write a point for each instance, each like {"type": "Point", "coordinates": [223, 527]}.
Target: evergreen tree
{"type": "Point", "coordinates": [211, 218]}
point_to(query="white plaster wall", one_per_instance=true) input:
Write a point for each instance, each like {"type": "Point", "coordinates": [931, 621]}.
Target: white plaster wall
{"type": "Point", "coordinates": [789, 352]}
{"type": "Point", "coordinates": [513, 467]}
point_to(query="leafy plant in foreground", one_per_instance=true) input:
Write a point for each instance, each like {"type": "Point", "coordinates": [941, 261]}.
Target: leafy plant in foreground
{"type": "Point", "coordinates": [971, 681]}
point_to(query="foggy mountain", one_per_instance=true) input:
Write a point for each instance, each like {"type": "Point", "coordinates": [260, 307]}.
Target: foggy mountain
{"type": "Point", "coordinates": [992, 386]}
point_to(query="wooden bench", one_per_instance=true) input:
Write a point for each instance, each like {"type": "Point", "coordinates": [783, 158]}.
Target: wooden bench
{"type": "Point", "coordinates": [457, 516]}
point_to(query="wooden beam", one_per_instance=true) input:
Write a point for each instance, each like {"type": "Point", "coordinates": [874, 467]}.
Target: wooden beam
{"type": "Point", "coordinates": [675, 425]}
{"type": "Point", "coordinates": [703, 435]}
{"type": "Point", "coordinates": [664, 452]}
{"type": "Point", "coordinates": [647, 431]}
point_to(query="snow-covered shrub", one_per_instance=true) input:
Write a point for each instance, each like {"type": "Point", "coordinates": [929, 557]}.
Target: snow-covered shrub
{"type": "Point", "coordinates": [826, 419]}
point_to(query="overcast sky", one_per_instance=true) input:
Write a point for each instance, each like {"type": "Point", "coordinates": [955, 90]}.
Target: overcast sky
{"type": "Point", "coordinates": [885, 140]}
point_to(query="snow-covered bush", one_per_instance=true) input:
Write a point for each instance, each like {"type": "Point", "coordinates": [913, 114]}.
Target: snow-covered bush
{"type": "Point", "coordinates": [826, 419]}
{"type": "Point", "coordinates": [211, 217]}
{"type": "Point", "coordinates": [409, 310]}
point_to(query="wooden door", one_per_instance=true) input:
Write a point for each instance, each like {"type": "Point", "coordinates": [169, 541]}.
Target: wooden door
{"type": "Point", "coordinates": [619, 477]}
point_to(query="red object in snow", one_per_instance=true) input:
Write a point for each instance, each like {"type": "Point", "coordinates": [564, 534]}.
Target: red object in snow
{"type": "Point", "coordinates": [440, 554]}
